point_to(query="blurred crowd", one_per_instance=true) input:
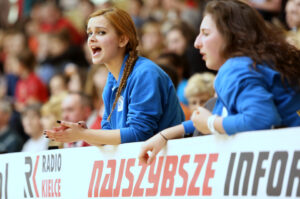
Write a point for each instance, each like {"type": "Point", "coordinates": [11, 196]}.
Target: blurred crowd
{"type": "Point", "coordinates": [46, 72]}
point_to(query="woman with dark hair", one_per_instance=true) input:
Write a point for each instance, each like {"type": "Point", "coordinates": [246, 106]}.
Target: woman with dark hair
{"type": "Point", "coordinates": [139, 98]}
{"type": "Point", "coordinates": [179, 40]}
{"type": "Point", "coordinates": [257, 85]}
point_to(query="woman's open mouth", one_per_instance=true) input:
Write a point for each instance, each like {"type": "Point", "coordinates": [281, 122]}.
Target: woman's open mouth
{"type": "Point", "coordinates": [96, 50]}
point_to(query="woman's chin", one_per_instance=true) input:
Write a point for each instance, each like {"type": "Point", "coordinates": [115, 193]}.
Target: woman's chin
{"type": "Point", "coordinates": [97, 61]}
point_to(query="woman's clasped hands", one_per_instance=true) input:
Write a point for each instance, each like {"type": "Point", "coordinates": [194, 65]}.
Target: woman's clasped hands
{"type": "Point", "coordinates": [67, 131]}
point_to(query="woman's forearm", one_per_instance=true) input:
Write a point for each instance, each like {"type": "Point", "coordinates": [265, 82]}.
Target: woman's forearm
{"type": "Point", "coordinates": [218, 124]}
{"type": "Point", "coordinates": [100, 137]}
{"type": "Point", "coordinates": [174, 132]}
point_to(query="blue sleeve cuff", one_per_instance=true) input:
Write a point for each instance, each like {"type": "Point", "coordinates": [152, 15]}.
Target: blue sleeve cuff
{"type": "Point", "coordinates": [125, 135]}
{"type": "Point", "coordinates": [188, 127]}
{"type": "Point", "coordinates": [130, 135]}
{"type": "Point", "coordinates": [229, 125]}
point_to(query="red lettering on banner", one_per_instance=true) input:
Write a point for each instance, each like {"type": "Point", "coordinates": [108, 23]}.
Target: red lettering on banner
{"type": "Point", "coordinates": [98, 166]}
{"type": "Point", "coordinates": [209, 174]}
{"type": "Point", "coordinates": [194, 191]}
{"type": "Point", "coordinates": [180, 191]}
{"type": "Point", "coordinates": [137, 191]}
{"type": "Point", "coordinates": [120, 177]}
{"type": "Point", "coordinates": [50, 189]}
{"type": "Point", "coordinates": [44, 188]}
{"type": "Point", "coordinates": [169, 176]}
{"type": "Point", "coordinates": [108, 192]}
{"type": "Point", "coordinates": [127, 192]}
{"type": "Point", "coordinates": [154, 176]}
{"type": "Point", "coordinates": [57, 184]}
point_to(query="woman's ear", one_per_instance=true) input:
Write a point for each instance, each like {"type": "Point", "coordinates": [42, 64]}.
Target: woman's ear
{"type": "Point", "coordinates": [123, 41]}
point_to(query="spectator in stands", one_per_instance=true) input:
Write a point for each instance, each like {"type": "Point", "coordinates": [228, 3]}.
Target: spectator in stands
{"type": "Point", "coordinates": [183, 10]}
{"type": "Point", "coordinates": [51, 111]}
{"type": "Point", "coordinates": [178, 63]}
{"type": "Point", "coordinates": [61, 56]}
{"type": "Point", "coordinates": [179, 39]}
{"type": "Point", "coordinates": [151, 40]}
{"type": "Point", "coordinates": [58, 85]}
{"type": "Point", "coordinates": [256, 87]}
{"type": "Point", "coordinates": [30, 88]}
{"type": "Point", "coordinates": [76, 79]}
{"type": "Point", "coordinates": [267, 8]}
{"type": "Point", "coordinates": [31, 26]}
{"type": "Point", "coordinates": [10, 141]}
{"type": "Point", "coordinates": [52, 21]}
{"type": "Point", "coordinates": [33, 127]}
{"type": "Point", "coordinates": [293, 21]}
{"type": "Point", "coordinates": [199, 89]}
{"type": "Point", "coordinates": [14, 42]}
{"type": "Point", "coordinates": [139, 98]}
{"type": "Point", "coordinates": [135, 11]}
{"type": "Point", "coordinates": [152, 10]}
{"type": "Point", "coordinates": [76, 107]}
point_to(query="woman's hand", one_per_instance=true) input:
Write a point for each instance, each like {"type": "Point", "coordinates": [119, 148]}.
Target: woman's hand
{"type": "Point", "coordinates": [66, 132]}
{"type": "Point", "coordinates": [199, 118]}
{"type": "Point", "coordinates": [154, 145]}
{"type": "Point", "coordinates": [157, 142]}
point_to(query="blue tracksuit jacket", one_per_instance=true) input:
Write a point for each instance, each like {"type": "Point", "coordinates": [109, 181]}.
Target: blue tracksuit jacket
{"type": "Point", "coordinates": [147, 105]}
{"type": "Point", "coordinates": [254, 99]}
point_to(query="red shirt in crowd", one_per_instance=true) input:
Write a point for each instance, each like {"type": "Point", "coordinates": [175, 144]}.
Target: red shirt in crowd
{"type": "Point", "coordinates": [61, 24]}
{"type": "Point", "coordinates": [31, 88]}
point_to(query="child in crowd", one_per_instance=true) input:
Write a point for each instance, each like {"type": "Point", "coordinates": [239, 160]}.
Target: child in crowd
{"type": "Point", "coordinates": [33, 128]}
{"type": "Point", "coordinates": [51, 110]}
{"type": "Point", "coordinates": [199, 89]}
{"type": "Point", "coordinates": [151, 40]}
{"type": "Point", "coordinates": [30, 88]}
{"type": "Point", "coordinates": [293, 21]}
{"type": "Point", "coordinates": [10, 140]}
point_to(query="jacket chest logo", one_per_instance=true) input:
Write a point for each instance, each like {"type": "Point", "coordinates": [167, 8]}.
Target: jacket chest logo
{"type": "Point", "coordinates": [120, 103]}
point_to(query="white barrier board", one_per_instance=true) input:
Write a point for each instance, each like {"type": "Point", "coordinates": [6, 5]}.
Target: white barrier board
{"type": "Point", "coordinates": [261, 164]}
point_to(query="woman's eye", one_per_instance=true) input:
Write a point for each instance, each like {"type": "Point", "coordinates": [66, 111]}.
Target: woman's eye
{"type": "Point", "coordinates": [205, 33]}
{"type": "Point", "coordinates": [101, 33]}
{"type": "Point", "coordinates": [89, 34]}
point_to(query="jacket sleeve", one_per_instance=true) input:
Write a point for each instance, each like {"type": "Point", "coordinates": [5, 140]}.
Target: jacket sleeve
{"type": "Point", "coordinates": [188, 127]}
{"type": "Point", "coordinates": [148, 91]}
{"type": "Point", "coordinates": [255, 110]}
{"type": "Point", "coordinates": [245, 94]}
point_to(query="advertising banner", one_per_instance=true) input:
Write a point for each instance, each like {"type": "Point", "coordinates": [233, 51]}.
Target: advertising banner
{"type": "Point", "coordinates": [257, 164]}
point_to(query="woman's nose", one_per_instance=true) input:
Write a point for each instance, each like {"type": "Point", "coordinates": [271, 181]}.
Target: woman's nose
{"type": "Point", "coordinates": [91, 38]}
{"type": "Point", "coordinates": [197, 43]}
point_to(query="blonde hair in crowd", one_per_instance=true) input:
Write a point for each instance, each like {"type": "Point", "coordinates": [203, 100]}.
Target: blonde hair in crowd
{"type": "Point", "coordinates": [123, 25]}
{"type": "Point", "coordinates": [200, 83]}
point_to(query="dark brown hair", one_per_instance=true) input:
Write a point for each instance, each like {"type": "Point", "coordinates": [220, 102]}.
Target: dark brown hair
{"type": "Point", "coordinates": [186, 30]}
{"type": "Point", "coordinates": [27, 59]}
{"type": "Point", "coordinates": [247, 34]}
{"type": "Point", "coordinates": [123, 25]}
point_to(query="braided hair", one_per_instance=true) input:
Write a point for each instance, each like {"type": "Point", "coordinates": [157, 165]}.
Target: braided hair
{"type": "Point", "coordinates": [124, 26]}
{"type": "Point", "coordinates": [127, 70]}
